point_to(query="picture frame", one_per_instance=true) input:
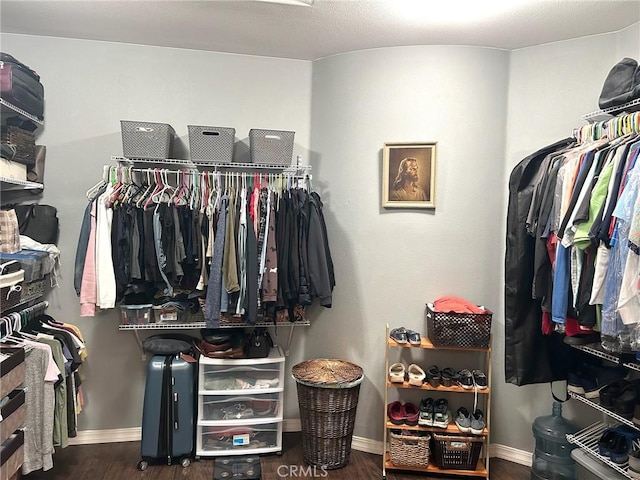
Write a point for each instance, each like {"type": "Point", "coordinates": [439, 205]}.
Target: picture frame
{"type": "Point", "coordinates": [409, 175]}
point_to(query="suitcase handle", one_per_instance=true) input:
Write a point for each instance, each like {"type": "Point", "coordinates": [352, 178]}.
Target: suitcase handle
{"type": "Point", "coordinates": [176, 421]}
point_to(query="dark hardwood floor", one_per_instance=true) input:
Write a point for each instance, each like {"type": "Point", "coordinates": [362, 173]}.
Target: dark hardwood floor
{"type": "Point", "coordinates": [117, 461]}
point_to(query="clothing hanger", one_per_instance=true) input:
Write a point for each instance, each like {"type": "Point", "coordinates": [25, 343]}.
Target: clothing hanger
{"type": "Point", "coordinates": [156, 190]}
{"type": "Point", "coordinates": [105, 179]}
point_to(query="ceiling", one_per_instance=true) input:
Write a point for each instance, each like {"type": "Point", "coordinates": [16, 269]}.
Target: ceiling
{"type": "Point", "coordinates": [282, 28]}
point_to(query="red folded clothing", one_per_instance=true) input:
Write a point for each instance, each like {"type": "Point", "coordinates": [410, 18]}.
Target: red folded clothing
{"type": "Point", "coordinates": [456, 304]}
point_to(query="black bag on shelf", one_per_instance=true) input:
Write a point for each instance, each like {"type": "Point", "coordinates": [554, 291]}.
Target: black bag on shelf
{"type": "Point", "coordinates": [20, 86]}
{"type": "Point", "coordinates": [39, 222]}
{"type": "Point", "coordinates": [259, 343]}
{"type": "Point", "coordinates": [169, 344]}
{"type": "Point", "coordinates": [622, 85]}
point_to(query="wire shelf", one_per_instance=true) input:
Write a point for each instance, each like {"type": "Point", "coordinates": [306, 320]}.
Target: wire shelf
{"type": "Point", "coordinates": [11, 108]}
{"type": "Point", "coordinates": [198, 323]}
{"type": "Point", "coordinates": [587, 439]}
{"type": "Point", "coordinates": [632, 366]}
{"type": "Point", "coordinates": [235, 165]}
{"type": "Point", "coordinates": [611, 111]}
{"type": "Point", "coordinates": [597, 351]}
{"type": "Point", "coordinates": [599, 407]}
{"type": "Point", "coordinates": [15, 184]}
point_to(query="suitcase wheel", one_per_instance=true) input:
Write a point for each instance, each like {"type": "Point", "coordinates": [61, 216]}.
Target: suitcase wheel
{"type": "Point", "coordinates": [142, 465]}
{"type": "Point", "coordinates": [185, 462]}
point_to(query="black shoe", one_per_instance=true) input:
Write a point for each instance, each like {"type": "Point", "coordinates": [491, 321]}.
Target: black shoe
{"type": "Point", "coordinates": [479, 379]}
{"type": "Point", "coordinates": [610, 392]}
{"type": "Point", "coordinates": [448, 377]}
{"type": "Point", "coordinates": [433, 376]}
{"type": "Point", "coordinates": [426, 412]}
{"type": "Point", "coordinates": [465, 379]}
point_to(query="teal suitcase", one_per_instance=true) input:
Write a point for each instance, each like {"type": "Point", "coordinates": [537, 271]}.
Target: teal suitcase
{"type": "Point", "coordinates": [168, 415]}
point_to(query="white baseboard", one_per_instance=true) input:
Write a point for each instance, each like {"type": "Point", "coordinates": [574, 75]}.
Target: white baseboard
{"type": "Point", "coordinates": [361, 444]}
{"type": "Point", "coordinates": [115, 435]}
{"type": "Point", "coordinates": [504, 452]}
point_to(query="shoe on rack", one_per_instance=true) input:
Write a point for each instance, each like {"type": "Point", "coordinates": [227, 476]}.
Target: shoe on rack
{"type": "Point", "coordinates": [479, 379]}
{"type": "Point", "coordinates": [448, 377]}
{"type": "Point", "coordinates": [624, 404]}
{"type": "Point", "coordinates": [606, 442]}
{"type": "Point", "coordinates": [604, 376]}
{"type": "Point", "coordinates": [426, 412]}
{"type": "Point", "coordinates": [397, 373]}
{"type": "Point", "coordinates": [636, 414]}
{"type": "Point", "coordinates": [634, 464]}
{"type": "Point", "coordinates": [441, 413]}
{"type": "Point", "coordinates": [413, 337]}
{"type": "Point", "coordinates": [395, 413]}
{"type": "Point", "coordinates": [465, 379]}
{"type": "Point", "coordinates": [620, 448]}
{"type": "Point", "coordinates": [399, 335]}
{"type": "Point", "coordinates": [477, 422]}
{"type": "Point", "coordinates": [411, 414]}
{"type": "Point", "coordinates": [416, 375]}
{"type": "Point", "coordinates": [610, 392]}
{"type": "Point", "coordinates": [433, 376]}
{"type": "Point", "coordinates": [463, 420]}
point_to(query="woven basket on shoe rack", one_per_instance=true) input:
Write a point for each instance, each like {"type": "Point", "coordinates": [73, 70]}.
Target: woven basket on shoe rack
{"type": "Point", "coordinates": [456, 451]}
{"type": "Point", "coordinates": [328, 392]}
{"type": "Point", "coordinates": [409, 450]}
{"type": "Point", "coordinates": [465, 330]}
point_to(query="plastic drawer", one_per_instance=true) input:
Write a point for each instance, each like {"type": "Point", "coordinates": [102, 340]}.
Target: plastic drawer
{"type": "Point", "coordinates": [239, 439]}
{"type": "Point", "coordinates": [239, 378]}
{"type": "Point", "coordinates": [239, 408]}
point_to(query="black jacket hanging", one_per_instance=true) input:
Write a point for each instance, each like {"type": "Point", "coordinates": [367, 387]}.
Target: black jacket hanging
{"type": "Point", "coordinates": [530, 356]}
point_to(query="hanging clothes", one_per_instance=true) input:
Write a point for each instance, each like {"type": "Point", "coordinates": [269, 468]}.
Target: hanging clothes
{"type": "Point", "coordinates": [240, 244]}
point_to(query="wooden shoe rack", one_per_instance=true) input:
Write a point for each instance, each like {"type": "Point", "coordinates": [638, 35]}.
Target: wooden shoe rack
{"type": "Point", "coordinates": [428, 354]}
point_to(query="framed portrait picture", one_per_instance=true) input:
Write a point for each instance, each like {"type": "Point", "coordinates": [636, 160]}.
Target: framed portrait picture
{"type": "Point", "coordinates": [409, 175]}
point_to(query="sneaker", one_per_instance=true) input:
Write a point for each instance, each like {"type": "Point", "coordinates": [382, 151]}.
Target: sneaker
{"type": "Point", "coordinates": [479, 379]}
{"type": "Point", "coordinates": [610, 392]}
{"type": "Point", "coordinates": [426, 412]}
{"type": "Point", "coordinates": [413, 337]}
{"type": "Point", "coordinates": [399, 335]}
{"type": "Point", "coordinates": [634, 464]}
{"type": "Point", "coordinates": [463, 420]}
{"type": "Point", "coordinates": [441, 413]}
{"type": "Point", "coordinates": [477, 422]}
{"type": "Point", "coordinates": [465, 379]}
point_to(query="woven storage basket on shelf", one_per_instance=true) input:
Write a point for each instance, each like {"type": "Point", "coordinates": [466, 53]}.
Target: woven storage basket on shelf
{"type": "Point", "coordinates": [147, 140]}
{"type": "Point", "coordinates": [328, 392]}
{"type": "Point", "coordinates": [211, 144]}
{"type": "Point", "coordinates": [409, 450]}
{"type": "Point", "coordinates": [456, 452]}
{"type": "Point", "coordinates": [465, 330]}
{"type": "Point", "coordinates": [22, 143]}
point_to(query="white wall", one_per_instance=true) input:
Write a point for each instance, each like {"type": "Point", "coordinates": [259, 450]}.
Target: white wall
{"type": "Point", "coordinates": [89, 87]}
{"type": "Point", "coordinates": [389, 263]}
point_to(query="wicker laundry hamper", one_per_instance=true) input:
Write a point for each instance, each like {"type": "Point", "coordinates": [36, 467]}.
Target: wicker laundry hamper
{"type": "Point", "coordinates": [328, 392]}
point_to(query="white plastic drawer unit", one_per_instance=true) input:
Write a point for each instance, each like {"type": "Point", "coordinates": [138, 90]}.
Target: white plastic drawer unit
{"type": "Point", "coordinates": [239, 410]}
{"type": "Point", "coordinates": [243, 376]}
{"type": "Point", "coordinates": [239, 439]}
